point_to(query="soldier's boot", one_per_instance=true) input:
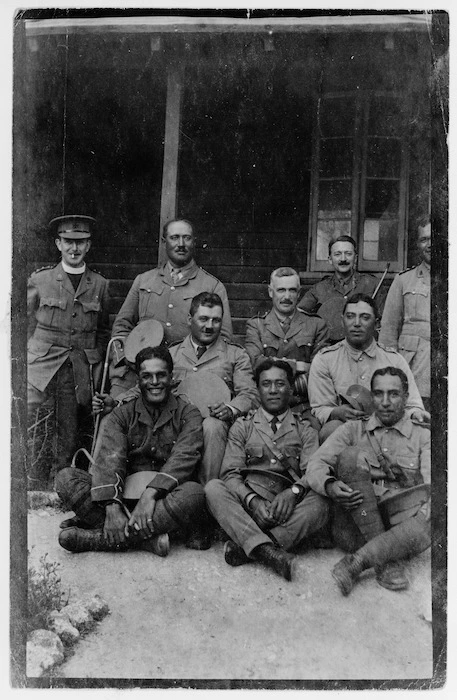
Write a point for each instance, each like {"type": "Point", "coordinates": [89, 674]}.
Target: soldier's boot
{"type": "Point", "coordinates": [234, 554]}
{"type": "Point", "coordinates": [353, 470]}
{"type": "Point", "coordinates": [383, 551]}
{"type": "Point", "coordinates": [76, 539]}
{"type": "Point", "coordinates": [282, 562]}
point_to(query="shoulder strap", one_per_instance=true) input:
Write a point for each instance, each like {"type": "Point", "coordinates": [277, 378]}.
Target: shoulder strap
{"type": "Point", "coordinates": [282, 459]}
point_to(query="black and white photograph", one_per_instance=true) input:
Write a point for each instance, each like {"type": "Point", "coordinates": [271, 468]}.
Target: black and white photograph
{"type": "Point", "coordinates": [229, 348]}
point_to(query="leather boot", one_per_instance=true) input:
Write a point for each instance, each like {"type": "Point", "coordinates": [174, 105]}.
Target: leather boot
{"type": "Point", "coordinates": [392, 576]}
{"type": "Point", "coordinates": [282, 562]}
{"type": "Point", "coordinates": [157, 544]}
{"type": "Point", "coordinates": [347, 571]}
{"type": "Point", "coordinates": [234, 554]}
{"type": "Point", "coordinates": [76, 539]}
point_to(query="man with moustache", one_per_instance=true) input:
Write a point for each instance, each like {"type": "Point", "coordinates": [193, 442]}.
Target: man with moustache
{"type": "Point", "coordinates": [353, 361]}
{"type": "Point", "coordinates": [377, 475]}
{"type": "Point", "coordinates": [287, 333]}
{"type": "Point", "coordinates": [68, 330]}
{"type": "Point", "coordinates": [164, 294]}
{"type": "Point", "coordinates": [328, 296]}
{"type": "Point", "coordinates": [141, 483]}
{"type": "Point", "coordinates": [261, 500]}
{"type": "Point", "coordinates": [405, 323]}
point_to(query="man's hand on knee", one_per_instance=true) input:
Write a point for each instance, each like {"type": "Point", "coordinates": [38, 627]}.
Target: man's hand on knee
{"type": "Point", "coordinates": [141, 519]}
{"type": "Point", "coordinates": [282, 506]}
{"type": "Point", "coordinates": [115, 527]}
{"type": "Point", "coordinates": [260, 513]}
{"type": "Point", "coordinates": [342, 494]}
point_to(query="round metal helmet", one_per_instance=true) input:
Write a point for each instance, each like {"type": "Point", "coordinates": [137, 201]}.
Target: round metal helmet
{"type": "Point", "coordinates": [146, 334]}
{"type": "Point", "coordinates": [359, 398]}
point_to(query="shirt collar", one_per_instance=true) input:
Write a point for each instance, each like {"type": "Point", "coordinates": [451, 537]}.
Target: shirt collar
{"type": "Point", "coordinates": [404, 425]}
{"type": "Point", "coordinates": [181, 270]}
{"type": "Point", "coordinates": [73, 270]}
{"type": "Point", "coordinates": [269, 416]}
{"type": "Point", "coordinates": [370, 350]}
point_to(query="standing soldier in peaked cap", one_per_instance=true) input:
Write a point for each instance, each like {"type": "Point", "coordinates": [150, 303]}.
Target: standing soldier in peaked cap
{"type": "Point", "coordinates": [68, 329]}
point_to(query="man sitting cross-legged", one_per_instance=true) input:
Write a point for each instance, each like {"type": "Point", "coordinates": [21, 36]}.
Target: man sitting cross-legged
{"type": "Point", "coordinates": [141, 485]}
{"type": "Point", "coordinates": [261, 500]}
{"type": "Point", "coordinates": [376, 473]}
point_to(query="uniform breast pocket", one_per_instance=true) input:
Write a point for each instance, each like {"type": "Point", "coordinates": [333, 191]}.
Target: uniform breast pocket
{"type": "Point", "coordinates": [410, 473]}
{"type": "Point", "coordinates": [91, 310]}
{"type": "Point", "coordinates": [51, 310]}
{"type": "Point", "coordinates": [148, 299]}
{"type": "Point", "coordinates": [254, 454]}
{"type": "Point", "coordinates": [416, 304]}
{"type": "Point", "coordinates": [305, 349]}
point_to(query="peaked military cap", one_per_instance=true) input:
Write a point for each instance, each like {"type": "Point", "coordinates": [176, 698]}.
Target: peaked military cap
{"type": "Point", "coordinates": [74, 226]}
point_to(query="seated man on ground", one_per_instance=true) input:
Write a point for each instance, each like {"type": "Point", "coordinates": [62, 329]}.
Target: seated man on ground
{"type": "Point", "coordinates": [261, 500]}
{"type": "Point", "coordinates": [351, 362]}
{"type": "Point", "coordinates": [141, 485]}
{"type": "Point", "coordinates": [377, 473]}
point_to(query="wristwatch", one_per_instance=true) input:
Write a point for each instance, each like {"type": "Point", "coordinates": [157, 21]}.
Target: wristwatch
{"type": "Point", "coordinates": [298, 490]}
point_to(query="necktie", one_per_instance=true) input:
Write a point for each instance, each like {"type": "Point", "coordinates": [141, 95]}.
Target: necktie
{"type": "Point", "coordinates": [274, 423]}
{"type": "Point", "coordinates": [200, 350]}
{"type": "Point", "coordinates": [286, 325]}
{"type": "Point", "coordinates": [175, 276]}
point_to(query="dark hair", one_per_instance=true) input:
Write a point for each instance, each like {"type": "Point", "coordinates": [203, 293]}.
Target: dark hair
{"type": "Point", "coordinates": [360, 296]}
{"type": "Point", "coordinates": [424, 221]}
{"type": "Point", "coordinates": [342, 239]}
{"type": "Point", "coordinates": [271, 362]}
{"type": "Point", "coordinates": [394, 372]}
{"type": "Point", "coordinates": [159, 352]}
{"type": "Point", "coordinates": [205, 299]}
{"type": "Point", "coordinates": [174, 221]}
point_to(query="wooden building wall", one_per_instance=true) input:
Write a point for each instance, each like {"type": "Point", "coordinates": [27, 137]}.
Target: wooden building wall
{"type": "Point", "coordinates": [95, 143]}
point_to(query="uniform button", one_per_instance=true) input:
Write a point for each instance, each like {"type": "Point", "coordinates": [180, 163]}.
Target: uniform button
{"type": "Point", "coordinates": [153, 449]}
{"type": "Point", "coordinates": [273, 461]}
{"type": "Point", "coordinates": [74, 314]}
{"type": "Point", "coordinates": [172, 289]}
{"type": "Point", "coordinates": [75, 300]}
{"type": "Point", "coordinates": [194, 369]}
{"type": "Point", "coordinates": [385, 449]}
{"type": "Point", "coordinates": [285, 340]}
{"type": "Point", "coordinates": [168, 324]}
{"type": "Point", "coordinates": [264, 345]}
{"type": "Point", "coordinates": [71, 347]}
{"type": "Point", "coordinates": [170, 306]}
{"type": "Point", "coordinates": [411, 464]}
{"type": "Point", "coordinates": [274, 442]}
{"type": "Point", "coordinates": [73, 331]}
{"type": "Point", "coordinates": [362, 377]}
{"type": "Point", "coordinates": [148, 290]}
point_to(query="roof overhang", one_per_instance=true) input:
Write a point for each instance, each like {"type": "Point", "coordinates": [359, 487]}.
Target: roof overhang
{"type": "Point", "coordinates": [177, 24]}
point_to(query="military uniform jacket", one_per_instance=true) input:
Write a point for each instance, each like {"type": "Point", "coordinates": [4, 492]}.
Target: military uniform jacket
{"type": "Point", "coordinates": [328, 297]}
{"type": "Point", "coordinates": [335, 368]}
{"type": "Point", "coordinates": [405, 322]}
{"type": "Point", "coordinates": [130, 441]}
{"type": "Point", "coordinates": [63, 323]}
{"type": "Point", "coordinates": [226, 360]}
{"type": "Point", "coordinates": [246, 447]}
{"type": "Point", "coordinates": [406, 442]}
{"type": "Point", "coordinates": [265, 337]}
{"type": "Point", "coordinates": [154, 295]}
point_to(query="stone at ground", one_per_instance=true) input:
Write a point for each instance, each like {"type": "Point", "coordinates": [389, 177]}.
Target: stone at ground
{"type": "Point", "coordinates": [44, 650]}
{"type": "Point", "coordinates": [79, 616]}
{"type": "Point", "coordinates": [59, 623]}
{"type": "Point", "coordinates": [43, 499]}
{"type": "Point", "coordinates": [98, 607]}
{"type": "Point", "coordinates": [191, 616]}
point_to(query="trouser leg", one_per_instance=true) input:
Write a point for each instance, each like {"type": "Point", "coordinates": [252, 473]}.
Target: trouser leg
{"type": "Point", "coordinates": [38, 468]}
{"type": "Point", "coordinates": [121, 379]}
{"type": "Point", "coordinates": [73, 487]}
{"type": "Point", "coordinates": [308, 516]}
{"type": "Point", "coordinates": [233, 518]}
{"type": "Point", "coordinates": [214, 441]}
{"type": "Point", "coordinates": [66, 411]}
{"type": "Point", "coordinates": [345, 533]}
{"type": "Point", "coordinates": [406, 539]}
{"type": "Point", "coordinates": [355, 472]}
{"type": "Point", "coordinates": [327, 429]}
{"type": "Point", "coordinates": [183, 508]}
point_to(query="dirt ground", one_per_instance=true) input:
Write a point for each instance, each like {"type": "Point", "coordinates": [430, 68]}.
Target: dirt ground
{"type": "Point", "coordinates": [190, 616]}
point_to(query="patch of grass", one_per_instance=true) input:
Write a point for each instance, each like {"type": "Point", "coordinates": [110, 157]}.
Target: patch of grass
{"type": "Point", "coordinates": [45, 593]}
